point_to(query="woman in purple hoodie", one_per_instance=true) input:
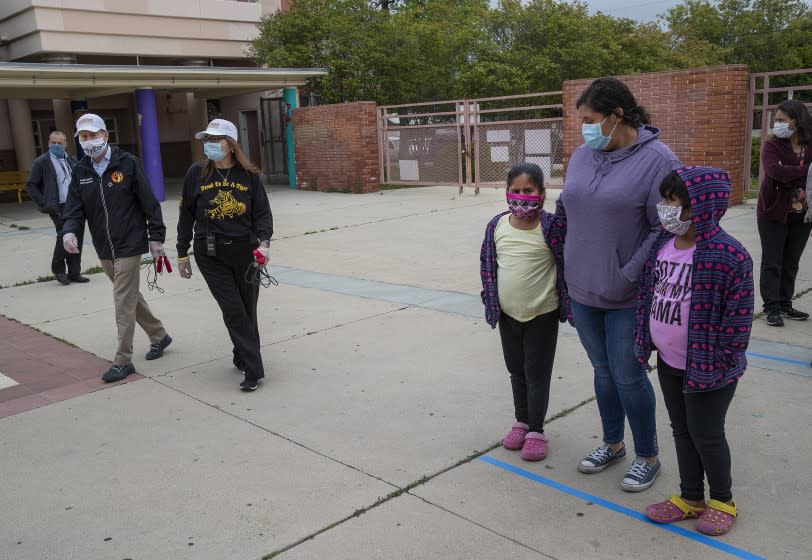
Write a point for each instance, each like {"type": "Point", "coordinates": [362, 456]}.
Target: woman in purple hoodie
{"type": "Point", "coordinates": [609, 202]}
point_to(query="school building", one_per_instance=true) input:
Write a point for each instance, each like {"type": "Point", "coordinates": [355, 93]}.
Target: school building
{"type": "Point", "coordinates": [156, 70]}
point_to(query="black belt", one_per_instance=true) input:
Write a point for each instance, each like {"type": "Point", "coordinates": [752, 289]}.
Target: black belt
{"type": "Point", "coordinates": [226, 240]}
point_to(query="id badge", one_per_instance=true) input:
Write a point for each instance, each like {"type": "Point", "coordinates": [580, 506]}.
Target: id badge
{"type": "Point", "coordinates": [211, 246]}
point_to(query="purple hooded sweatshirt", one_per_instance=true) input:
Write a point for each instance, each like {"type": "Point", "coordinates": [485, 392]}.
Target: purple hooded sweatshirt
{"type": "Point", "coordinates": [721, 289]}
{"type": "Point", "coordinates": [609, 202]}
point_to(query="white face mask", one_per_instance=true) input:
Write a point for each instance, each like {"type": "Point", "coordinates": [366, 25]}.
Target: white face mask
{"type": "Point", "coordinates": [669, 218]}
{"type": "Point", "coordinates": [94, 147]}
{"type": "Point", "coordinates": [781, 130]}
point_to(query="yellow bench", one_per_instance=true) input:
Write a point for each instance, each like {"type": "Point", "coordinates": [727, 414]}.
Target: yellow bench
{"type": "Point", "coordinates": [14, 181]}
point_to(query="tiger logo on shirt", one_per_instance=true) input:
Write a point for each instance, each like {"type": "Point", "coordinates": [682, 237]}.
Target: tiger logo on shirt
{"type": "Point", "coordinates": [226, 206]}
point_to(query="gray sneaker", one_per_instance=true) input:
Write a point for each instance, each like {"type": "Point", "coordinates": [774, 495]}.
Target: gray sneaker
{"type": "Point", "coordinates": [601, 458]}
{"type": "Point", "coordinates": [641, 475]}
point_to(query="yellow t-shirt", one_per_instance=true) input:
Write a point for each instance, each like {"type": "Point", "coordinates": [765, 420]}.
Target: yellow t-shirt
{"type": "Point", "coordinates": [525, 272]}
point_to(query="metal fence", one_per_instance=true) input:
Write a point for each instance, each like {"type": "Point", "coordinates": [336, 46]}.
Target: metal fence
{"type": "Point", "coordinates": [767, 91]}
{"type": "Point", "coordinates": [471, 143]}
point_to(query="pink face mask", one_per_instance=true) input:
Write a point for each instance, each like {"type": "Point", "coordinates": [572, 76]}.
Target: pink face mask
{"type": "Point", "coordinates": [524, 205]}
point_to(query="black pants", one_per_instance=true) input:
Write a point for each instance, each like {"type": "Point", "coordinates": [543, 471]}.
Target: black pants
{"type": "Point", "coordinates": [529, 350]}
{"type": "Point", "coordinates": [781, 249]}
{"type": "Point", "coordinates": [698, 426]}
{"type": "Point", "coordinates": [225, 276]}
{"type": "Point", "coordinates": [61, 258]}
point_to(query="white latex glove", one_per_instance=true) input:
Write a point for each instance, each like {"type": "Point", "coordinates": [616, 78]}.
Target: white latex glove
{"type": "Point", "coordinates": [185, 269]}
{"type": "Point", "coordinates": [266, 252]}
{"type": "Point", "coordinates": [156, 249]}
{"type": "Point", "coordinates": [70, 243]}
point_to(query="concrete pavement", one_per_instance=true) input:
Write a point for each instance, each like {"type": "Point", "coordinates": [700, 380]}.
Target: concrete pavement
{"type": "Point", "coordinates": [375, 434]}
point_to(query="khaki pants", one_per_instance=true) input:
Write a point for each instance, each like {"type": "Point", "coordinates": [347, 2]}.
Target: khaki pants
{"type": "Point", "coordinates": [131, 307]}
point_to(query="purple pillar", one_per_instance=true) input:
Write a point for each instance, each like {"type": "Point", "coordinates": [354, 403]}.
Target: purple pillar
{"type": "Point", "coordinates": [150, 142]}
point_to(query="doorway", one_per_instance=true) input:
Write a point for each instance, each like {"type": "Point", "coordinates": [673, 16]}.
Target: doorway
{"type": "Point", "coordinates": [249, 136]}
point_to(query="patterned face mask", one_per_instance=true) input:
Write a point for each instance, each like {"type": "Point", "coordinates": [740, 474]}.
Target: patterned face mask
{"type": "Point", "coordinates": [669, 218]}
{"type": "Point", "coordinates": [524, 205]}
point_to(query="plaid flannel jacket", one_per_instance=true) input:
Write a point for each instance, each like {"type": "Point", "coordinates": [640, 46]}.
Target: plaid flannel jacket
{"type": "Point", "coordinates": [554, 230]}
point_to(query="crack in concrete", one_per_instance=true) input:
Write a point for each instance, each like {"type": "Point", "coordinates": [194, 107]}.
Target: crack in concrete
{"type": "Point", "coordinates": [419, 482]}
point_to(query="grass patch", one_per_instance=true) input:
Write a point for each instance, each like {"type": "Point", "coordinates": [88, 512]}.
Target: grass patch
{"type": "Point", "coordinates": [93, 270]}
{"type": "Point", "coordinates": [390, 187]}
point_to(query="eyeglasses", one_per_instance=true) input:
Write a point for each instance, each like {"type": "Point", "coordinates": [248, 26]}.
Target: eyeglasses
{"type": "Point", "coordinates": [213, 138]}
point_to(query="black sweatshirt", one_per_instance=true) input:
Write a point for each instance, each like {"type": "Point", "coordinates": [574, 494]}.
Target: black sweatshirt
{"type": "Point", "coordinates": [231, 203]}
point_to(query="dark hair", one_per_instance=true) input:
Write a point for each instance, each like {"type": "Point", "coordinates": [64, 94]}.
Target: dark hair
{"type": "Point", "coordinates": [798, 112]}
{"type": "Point", "coordinates": [606, 95]}
{"type": "Point", "coordinates": [534, 174]}
{"type": "Point", "coordinates": [674, 187]}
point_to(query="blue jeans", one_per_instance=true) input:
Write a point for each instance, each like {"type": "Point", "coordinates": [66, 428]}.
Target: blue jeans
{"type": "Point", "coordinates": [622, 386]}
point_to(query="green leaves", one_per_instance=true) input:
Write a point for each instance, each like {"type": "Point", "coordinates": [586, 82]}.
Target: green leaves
{"type": "Point", "coordinates": [409, 51]}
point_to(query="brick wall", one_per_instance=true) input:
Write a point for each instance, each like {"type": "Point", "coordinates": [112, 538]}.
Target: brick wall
{"type": "Point", "coordinates": [337, 147]}
{"type": "Point", "coordinates": [700, 114]}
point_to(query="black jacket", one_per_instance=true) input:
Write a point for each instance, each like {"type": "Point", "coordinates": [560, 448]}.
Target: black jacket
{"type": "Point", "coordinates": [42, 185]}
{"type": "Point", "coordinates": [120, 207]}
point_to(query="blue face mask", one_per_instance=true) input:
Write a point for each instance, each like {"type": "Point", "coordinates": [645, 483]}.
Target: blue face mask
{"type": "Point", "coordinates": [213, 151]}
{"type": "Point", "coordinates": [593, 135]}
{"type": "Point", "coordinates": [57, 150]}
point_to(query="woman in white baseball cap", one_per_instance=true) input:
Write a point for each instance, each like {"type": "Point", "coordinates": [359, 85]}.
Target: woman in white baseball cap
{"type": "Point", "coordinates": [225, 215]}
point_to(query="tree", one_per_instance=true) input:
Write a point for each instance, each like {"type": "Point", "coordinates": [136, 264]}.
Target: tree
{"type": "Point", "coordinates": [767, 35]}
{"type": "Point", "coordinates": [408, 51]}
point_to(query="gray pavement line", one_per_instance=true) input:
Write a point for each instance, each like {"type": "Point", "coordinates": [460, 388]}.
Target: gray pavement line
{"type": "Point", "coordinates": [411, 486]}
{"type": "Point", "coordinates": [796, 296]}
{"type": "Point", "coordinates": [274, 343]}
{"type": "Point", "coordinates": [481, 526]}
{"type": "Point", "coordinates": [334, 228]}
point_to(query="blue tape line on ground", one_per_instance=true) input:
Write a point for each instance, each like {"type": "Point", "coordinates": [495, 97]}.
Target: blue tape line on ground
{"type": "Point", "coordinates": [698, 537]}
{"type": "Point", "coordinates": [778, 359]}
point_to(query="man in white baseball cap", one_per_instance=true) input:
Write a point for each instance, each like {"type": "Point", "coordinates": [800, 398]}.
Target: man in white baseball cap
{"type": "Point", "coordinates": [219, 127]}
{"type": "Point", "coordinates": [110, 190]}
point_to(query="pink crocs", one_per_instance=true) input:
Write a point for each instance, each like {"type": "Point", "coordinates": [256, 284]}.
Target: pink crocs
{"type": "Point", "coordinates": [717, 519]}
{"type": "Point", "coordinates": [535, 447]}
{"type": "Point", "coordinates": [515, 437]}
{"type": "Point", "coordinates": [672, 510]}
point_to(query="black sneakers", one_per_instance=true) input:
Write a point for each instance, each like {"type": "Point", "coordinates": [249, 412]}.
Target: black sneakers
{"type": "Point", "coordinates": [641, 475]}
{"type": "Point", "coordinates": [773, 318]}
{"type": "Point", "coordinates": [250, 384]}
{"type": "Point", "coordinates": [601, 458]}
{"type": "Point", "coordinates": [117, 373]}
{"type": "Point", "coordinates": [794, 314]}
{"type": "Point", "coordinates": [157, 350]}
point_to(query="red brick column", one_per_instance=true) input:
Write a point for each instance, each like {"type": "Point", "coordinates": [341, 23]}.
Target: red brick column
{"type": "Point", "coordinates": [700, 113]}
{"type": "Point", "coordinates": [337, 147]}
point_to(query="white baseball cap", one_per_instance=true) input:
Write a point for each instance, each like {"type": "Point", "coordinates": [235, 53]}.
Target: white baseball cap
{"type": "Point", "coordinates": [219, 127]}
{"type": "Point", "coordinates": [89, 123]}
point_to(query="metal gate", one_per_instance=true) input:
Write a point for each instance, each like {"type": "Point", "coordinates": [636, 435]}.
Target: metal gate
{"type": "Point", "coordinates": [471, 143]}
{"type": "Point", "coordinates": [767, 90]}
{"type": "Point", "coordinates": [273, 117]}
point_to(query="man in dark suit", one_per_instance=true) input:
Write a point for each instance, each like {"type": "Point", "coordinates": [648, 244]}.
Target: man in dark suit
{"type": "Point", "coordinates": [47, 185]}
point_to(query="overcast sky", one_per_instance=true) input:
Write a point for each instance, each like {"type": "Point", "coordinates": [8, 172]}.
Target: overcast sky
{"type": "Point", "coordinates": [641, 10]}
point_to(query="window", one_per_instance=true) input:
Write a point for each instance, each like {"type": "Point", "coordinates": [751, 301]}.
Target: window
{"type": "Point", "coordinates": [112, 130]}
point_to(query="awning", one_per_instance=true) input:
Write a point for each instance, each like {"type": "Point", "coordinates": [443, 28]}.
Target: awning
{"type": "Point", "coordinates": [84, 81]}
